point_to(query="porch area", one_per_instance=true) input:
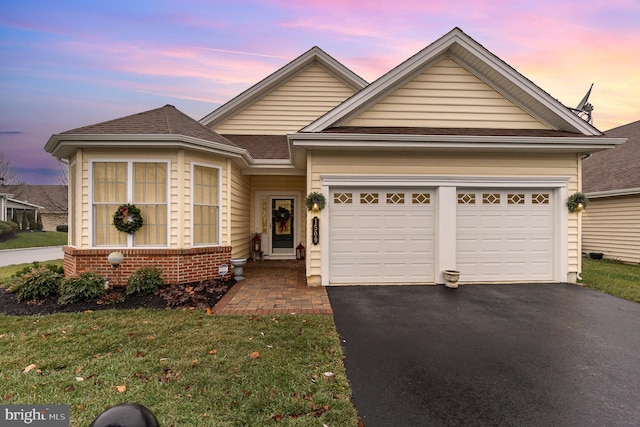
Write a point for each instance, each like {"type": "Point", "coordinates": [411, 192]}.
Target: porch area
{"type": "Point", "coordinates": [274, 287]}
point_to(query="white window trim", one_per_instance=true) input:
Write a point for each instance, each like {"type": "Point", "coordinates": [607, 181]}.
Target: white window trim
{"type": "Point", "coordinates": [191, 203]}
{"type": "Point", "coordinates": [129, 162]}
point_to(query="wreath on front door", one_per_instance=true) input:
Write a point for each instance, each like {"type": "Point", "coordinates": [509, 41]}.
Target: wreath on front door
{"type": "Point", "coordinates": [281, 218]}
{"type": "Point", "coordinates": [127, 218]}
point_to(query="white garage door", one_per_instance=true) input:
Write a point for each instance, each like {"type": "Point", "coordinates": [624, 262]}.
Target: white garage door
{"type": "Point", "coordinates": [381, 236]}
{"type": "Point", "coordinates": [505, 236]}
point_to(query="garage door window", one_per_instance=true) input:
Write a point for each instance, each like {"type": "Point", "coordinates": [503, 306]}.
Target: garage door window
{"type": "Point", "coordinates": [343, 198]}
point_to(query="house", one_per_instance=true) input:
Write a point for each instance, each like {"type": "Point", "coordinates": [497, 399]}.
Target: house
{"type": "Point", "coordinates": [451, 160]}
{"type": "Point", "coordinates": [611, 181]}
{"type": "Point", "coordinates": [12, 209]}
{"type": "Point", "coordinates": [51, 201]}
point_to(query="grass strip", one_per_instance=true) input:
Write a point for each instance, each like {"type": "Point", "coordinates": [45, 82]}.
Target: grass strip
{"type": "Point", "coordinates": [37, 239]}
{"type": "Point", "coordinates": [614, 278]}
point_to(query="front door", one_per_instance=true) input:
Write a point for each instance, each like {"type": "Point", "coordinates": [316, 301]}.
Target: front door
{"type": "Point", "coordinates": [282, 226]}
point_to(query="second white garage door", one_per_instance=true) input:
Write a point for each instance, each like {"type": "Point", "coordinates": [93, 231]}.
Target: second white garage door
{"type": "Point", "coordinates": [381, 236]}
{"type": "Point", "coordinates": [505, 236]}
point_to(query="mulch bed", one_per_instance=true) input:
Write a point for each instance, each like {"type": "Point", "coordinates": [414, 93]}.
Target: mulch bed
{"type": "Point", "coordinates": [114, 300]}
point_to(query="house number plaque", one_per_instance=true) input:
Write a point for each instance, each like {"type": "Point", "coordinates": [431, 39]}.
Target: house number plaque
{"type": "Point", "coordinates": [315, 230]}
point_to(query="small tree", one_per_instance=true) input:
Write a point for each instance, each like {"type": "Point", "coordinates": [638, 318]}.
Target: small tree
{"type": "Point", "coordinates": [39, 225]}
{"type": "Point", "coordinates": [14, 218]}
{"type": "Point", "coordinates": [25, 221]}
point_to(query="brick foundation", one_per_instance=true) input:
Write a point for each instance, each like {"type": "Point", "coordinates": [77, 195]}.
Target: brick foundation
{"type": "Point", "coordinates": [178, 265]}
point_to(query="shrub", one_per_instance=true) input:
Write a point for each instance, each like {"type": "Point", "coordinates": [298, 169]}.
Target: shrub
{"type": "Point", "coordinates": [145, 280]}
{"type": "Point", "coordinates": [86, 286]}
{"type": "Point", "coordinates": [63, 228]}
{"type": "Point", "coordinates": [39, 225]}
{"type": "Point", "coordinates": [35, 265]}
{"type": "Point", "coordinates": [37, 284]}
{"type": "Point", "coordinates": [25, 222]}
{"type": "Point", "coordinates": [5, 228]}
{"type": "Point", "coordinates": [15, 227]}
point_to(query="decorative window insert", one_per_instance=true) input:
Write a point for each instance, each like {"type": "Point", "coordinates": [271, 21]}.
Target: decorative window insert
{"type": "Point", "coordinates": [206, 205]}
{"type": "Point", "coordinates": [421, 198]}
{"type": "Point", "coordinates": [141, 183]}
{"type": "Point", "coordinates": [540, 199]}
{"type": "Point", "coordinates": [491, 199]}
{"type": "Point", "coordinates": [395, 198]}
{"type": "Point", "coordinates": [466, 199]}
{"type": "Point", "coordinates": [369, 198]}
{"type": "Point", "coordinates": [343, 198]}
{"type": "Point", "coordinates": [515, 199]}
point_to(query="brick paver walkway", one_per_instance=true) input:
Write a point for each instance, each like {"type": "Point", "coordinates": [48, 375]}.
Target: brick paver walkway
{"type": "Point", "coordinates": [274, 287]}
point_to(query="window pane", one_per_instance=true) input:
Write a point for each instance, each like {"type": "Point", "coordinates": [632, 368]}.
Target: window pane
{"type": "Point", "coordinates": [109, 191]}
{"type": "Point", "coordinates": [205, 205]}
{"type": "Point", "coordinates": [154, 230]}
{"type": "Point", "coordinates": [109, 182]}
{"type": "Point", "coordinates": [150, 196]}
{"type": "Point", "coordinates": [105, 234]}
{"type": "Point", "coordinates": [205, 224]}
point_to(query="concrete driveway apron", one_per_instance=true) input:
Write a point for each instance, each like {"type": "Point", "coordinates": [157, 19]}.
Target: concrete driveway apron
{"type": "Point", "coordinates": [495, 355]}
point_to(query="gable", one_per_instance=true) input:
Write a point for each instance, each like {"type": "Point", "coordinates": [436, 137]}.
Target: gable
{"type": "Point", "coordinates": [446, 95]}
{"type": "Point", "coordinates": [468, 55]}
{"type": "Point", "coordinates": [290, 106]}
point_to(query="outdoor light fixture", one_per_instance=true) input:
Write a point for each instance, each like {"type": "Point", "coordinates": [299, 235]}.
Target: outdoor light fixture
{"type": "Point", "coordinates": [115, 259]}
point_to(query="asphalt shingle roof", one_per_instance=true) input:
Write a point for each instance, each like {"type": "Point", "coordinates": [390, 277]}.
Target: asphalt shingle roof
{"type": "Point", "coordinates": [262, 146]}
{"type": "Point", "coordinates": [615, 169]}
{"type": "Point", "coordinates": [52, 197]}
{"type": "Point", "coordinates": [167, 120]}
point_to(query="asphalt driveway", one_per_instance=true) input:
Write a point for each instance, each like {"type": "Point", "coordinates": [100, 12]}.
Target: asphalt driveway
{"type": "Point", "coordinates": [495, 355]}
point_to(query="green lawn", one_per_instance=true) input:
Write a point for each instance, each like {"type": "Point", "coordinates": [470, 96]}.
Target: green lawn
{"type": "Point", "coordinates": [621, 280]}
{"type": "Point", "coordinates": [187, 367]}
{"type": "Point", "coordinates": [37, 239]}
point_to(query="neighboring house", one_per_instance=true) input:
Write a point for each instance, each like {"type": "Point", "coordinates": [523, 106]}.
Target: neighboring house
{"type": "Point", "coordinates": [51, 201]}
{"type": "Point", "coordinates": [451, 160]}
{"type": "Point", "coordinates": [11, 208]}
{"type": "Point", "coordinates": [611, 181]}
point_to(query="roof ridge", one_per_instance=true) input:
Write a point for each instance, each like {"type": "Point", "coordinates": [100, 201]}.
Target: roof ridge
{"type": "Point", "coordinates": [166, 117]}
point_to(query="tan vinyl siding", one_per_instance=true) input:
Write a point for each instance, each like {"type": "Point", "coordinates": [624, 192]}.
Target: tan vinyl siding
{"type": "Point", "coordinates": [446, 95]}
{"type": "Point", "coordinates": [291, 106]}
{"type": "Point", "coordinates": [240, 213]}
{"type": "Point", "coordinates": [611, 225]}
{"type": "Point", "coordinates": [452, 165]}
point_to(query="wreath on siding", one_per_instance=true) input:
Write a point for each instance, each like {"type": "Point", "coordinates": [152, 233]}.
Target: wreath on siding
{"type": "Point", "coordinates": [127, 218]}
{"type": "Point", "coordinates": [577, 202]}
{"type": "Point", "coordinates": [315, 198]}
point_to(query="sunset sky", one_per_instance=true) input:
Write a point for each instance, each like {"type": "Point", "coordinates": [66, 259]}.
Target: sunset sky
{"type": "Point", "coordinates": [66, 64]}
